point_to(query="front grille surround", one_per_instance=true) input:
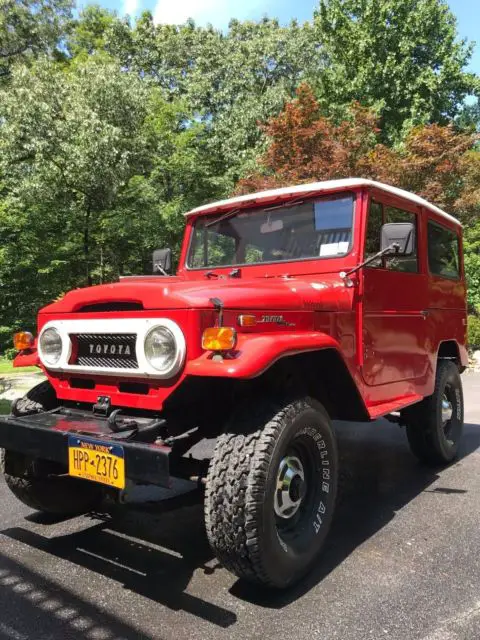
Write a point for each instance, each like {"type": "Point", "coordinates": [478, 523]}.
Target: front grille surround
{"type": "Point", "coordinates": [139, 367]}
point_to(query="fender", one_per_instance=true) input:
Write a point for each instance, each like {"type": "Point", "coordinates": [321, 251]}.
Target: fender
{"type": "Point", "coordinates": [453, 348]}
{"type": "Point", "coordinates": [27, 359]}
{"type": "Point", "coordinates": [255, 354]}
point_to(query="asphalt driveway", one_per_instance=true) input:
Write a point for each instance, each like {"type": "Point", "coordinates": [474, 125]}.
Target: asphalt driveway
{"type": "Point", "coordinates": [403, 560]}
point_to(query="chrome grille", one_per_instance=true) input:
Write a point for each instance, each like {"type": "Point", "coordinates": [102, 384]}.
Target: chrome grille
{"type": "Point", "coordinates": [105, 350]}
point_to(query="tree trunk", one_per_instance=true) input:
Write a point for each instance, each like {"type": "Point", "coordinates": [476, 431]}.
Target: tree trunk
{"type": "Point", "coordinates": [102, 266]}
{"type": "Point", "coordinates": [86, 244]}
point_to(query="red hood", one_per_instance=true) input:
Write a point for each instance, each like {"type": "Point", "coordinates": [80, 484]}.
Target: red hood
{"type": "Point", "coordinates": [326, 292]}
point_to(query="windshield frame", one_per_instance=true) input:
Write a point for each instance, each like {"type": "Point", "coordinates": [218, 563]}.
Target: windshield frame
{"type": "Point", "coordinates": [356, 198]}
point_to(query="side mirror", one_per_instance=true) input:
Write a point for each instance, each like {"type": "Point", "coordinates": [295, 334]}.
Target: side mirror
{"type": "Point", "coordinates": [399, 234]}
{"type": "Point", "coordinates": [162, 261]}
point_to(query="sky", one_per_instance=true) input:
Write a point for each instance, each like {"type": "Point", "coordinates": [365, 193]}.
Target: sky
{"type": "Point", "coordinates": [220, 12]}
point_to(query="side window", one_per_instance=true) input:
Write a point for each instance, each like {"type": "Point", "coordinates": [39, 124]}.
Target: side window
{"type": "Point", "coordinates": [407, 264]}
{"type": "Point", "coordinates": [374, 225]}
{"type": "Point", "coordinates": [443, 251]}
{"type": "Point", "coordinates": [253, 254]}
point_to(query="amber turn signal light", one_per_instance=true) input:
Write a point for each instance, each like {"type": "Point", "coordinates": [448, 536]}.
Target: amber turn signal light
{"type": "Point", "coordinates": [246, 320]}
{"type": "Point", "coordinates": [219, 338]}
{"type": "Point", "coordinates": [23, 340]}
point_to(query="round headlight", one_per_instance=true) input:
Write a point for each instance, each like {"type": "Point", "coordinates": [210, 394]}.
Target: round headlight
{"type": "Point", "coordinates": [161, 349]}
{"type": "Point", "coordinates": [50, 346]}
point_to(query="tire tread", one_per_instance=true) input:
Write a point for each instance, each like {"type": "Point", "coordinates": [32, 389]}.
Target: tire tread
{"type": "Point", "coordinates": [421, 421]}
{"type": "Point", "coordinates": [238, 470]}
{"type": "Point", "coordinates": [40, 398]}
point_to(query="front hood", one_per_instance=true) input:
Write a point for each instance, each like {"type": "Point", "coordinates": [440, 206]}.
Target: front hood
{"type": "Point", "coordinates": [327, 292]}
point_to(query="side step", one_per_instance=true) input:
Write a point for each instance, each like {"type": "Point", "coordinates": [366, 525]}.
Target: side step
{"type": "Point", "coordinates": [379, 410]}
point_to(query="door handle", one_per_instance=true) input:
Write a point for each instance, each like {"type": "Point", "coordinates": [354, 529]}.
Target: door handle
{"type": "Point", "coordinates": [425, 313]}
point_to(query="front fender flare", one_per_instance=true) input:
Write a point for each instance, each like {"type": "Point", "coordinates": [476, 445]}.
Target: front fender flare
{"type": "Point", "coordinates": [254, 354]}
{"type": "Point", "coordinates": [27, 358]}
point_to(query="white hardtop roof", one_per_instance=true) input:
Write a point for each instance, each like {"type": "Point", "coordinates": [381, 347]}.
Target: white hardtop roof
{"type": "Point", "coordinates": [315, 188]}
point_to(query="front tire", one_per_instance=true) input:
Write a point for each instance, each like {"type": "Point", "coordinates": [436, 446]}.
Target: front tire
{"type": "Point", "coordinates": [40, 398]}
{"type": "Point", "coordinates": [34, 483]}
{"type": "Point", "coordinates": [271, 491]}
{"type": "Point", "coordinates": [435, 425]}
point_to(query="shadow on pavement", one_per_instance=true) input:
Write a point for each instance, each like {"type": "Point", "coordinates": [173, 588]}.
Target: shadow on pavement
{"type": "Point", "coordinates": [33, 607]}
{"type": "Point", "coordinates": [156, 554]}
{"type": "Point", "coordinates": [153, 555]}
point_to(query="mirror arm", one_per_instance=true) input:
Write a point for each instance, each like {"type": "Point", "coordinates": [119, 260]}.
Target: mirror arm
{"type": "Point", "coordinates": [345, 275]}
{"type": "Point", "coordinates": [162, 271]}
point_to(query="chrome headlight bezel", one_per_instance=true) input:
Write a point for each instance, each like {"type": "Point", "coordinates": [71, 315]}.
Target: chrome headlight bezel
{"type": "Point", "coordinates": [174, 334]}
{"type": "Point", "coordinates": [45, 356]}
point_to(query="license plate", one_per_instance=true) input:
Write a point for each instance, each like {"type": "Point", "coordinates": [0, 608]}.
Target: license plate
{"type": "Point", "coordinates": [96, 461]}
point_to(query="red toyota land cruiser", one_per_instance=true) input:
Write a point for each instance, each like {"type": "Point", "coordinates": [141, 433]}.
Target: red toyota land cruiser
{"type": "Point", "coordinates": [290, 308]}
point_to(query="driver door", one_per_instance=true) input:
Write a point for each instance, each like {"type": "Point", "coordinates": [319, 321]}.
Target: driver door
{"type": "Point", "coordinates": [395, 291]}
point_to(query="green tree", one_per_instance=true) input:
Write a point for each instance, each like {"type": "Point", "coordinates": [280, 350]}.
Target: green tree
{"type": "Point", "coordinates": [469, 116]}
{"type": "Point", "coordinates": [98, 169]}
{"type": "Point", "coordinates": [29, 28]}
{"type": "Point", "coordinates": [401, 57]}
{"type": "Point", "coordinates": [71, 137]}
{"type": "Point", "coordinates": [91, 31]}
{"type": "Point", "coordinates": [230, 81]}
{"type": "Point", "coordinates": [179, 175]}
{"type": "Point", "coordinates": [471, 246]}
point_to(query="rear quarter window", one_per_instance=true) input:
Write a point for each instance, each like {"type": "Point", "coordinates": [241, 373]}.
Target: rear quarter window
{"type": "Point", "coordinates": [443, 251]}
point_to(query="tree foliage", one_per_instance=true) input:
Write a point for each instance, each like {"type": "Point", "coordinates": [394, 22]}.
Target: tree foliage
{"type": "Point", "coordinates": [231, 80]}
{"type": "Point", "coordinates": [306, 146]}
{"type": "Point", "coordinates": [29, 28]}
{"type": "Point", "coordinates": [71, 140]}
{"type": "Point", "coordinates": [97, 170]}
{"type": "Point", "coordinates": [438, 162]}
{"type": "Point", "coordinates": [400, 57]}
{"type": "Point", "coordinates": [110, 130]}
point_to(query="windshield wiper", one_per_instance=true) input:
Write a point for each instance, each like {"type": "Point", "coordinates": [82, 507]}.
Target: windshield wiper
{"type": "Point", "coordinates": [225, 216]}
{"type": "Point", "coordinates": [285, 205]}
{"type": "Point", "coordinates": [231, 214]}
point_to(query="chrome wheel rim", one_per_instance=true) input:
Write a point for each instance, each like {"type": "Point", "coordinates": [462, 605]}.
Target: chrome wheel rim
{"type": "Point", "coordinates": [447, 410]}
{"type": "Point", "coordinates": [290, 488]}
{"type": "Point", "coordinates": [447, 413]}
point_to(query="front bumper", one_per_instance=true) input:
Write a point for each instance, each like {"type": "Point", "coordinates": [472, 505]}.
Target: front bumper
{"type": "Point", "coordinates": [45, 436]}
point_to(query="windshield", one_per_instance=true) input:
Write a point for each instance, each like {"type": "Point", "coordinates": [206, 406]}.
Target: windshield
{"type": "Point", "coordinates": [304, 230]}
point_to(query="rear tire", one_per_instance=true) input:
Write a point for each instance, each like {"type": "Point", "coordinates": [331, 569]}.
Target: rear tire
{"type": "Point", "coordinates": [435, 425]}
{"type": "Point", "coordinates": [33, 481]}
{"type": "Point", "coordinates": [271, 491]}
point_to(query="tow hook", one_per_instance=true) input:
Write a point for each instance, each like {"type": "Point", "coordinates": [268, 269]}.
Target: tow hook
{"type": "Point", "coordinates": [102, 406]}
